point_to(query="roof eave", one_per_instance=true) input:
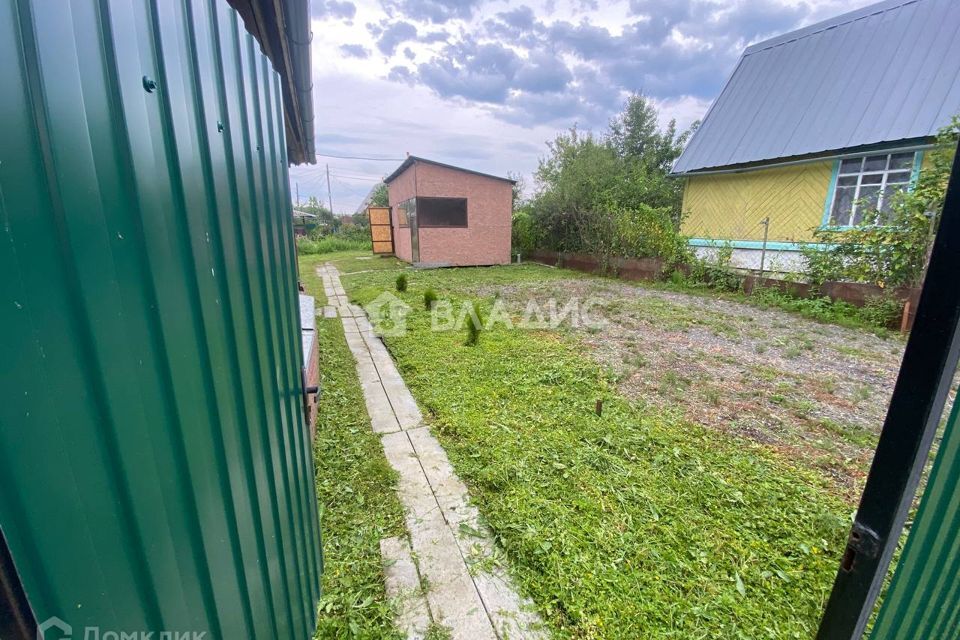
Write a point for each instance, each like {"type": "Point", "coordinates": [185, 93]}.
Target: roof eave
{"type": "Point", "coordinates": [769, 163]}
{"type": "Point", "coordinates": [283, 31]}
{"type": "Point", "coordinates": [411, 160]}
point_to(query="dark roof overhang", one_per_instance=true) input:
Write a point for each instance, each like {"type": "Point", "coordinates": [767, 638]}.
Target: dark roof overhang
{"type": "Point", "coordinates": [283, 30]}
{"type": "Point", "coordinates": [833, 154]}
{"type": "Point", "coordinates": [411, 160]}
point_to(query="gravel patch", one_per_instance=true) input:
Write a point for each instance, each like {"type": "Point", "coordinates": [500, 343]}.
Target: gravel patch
{"type": "Point", "coordinates": [817, 393]}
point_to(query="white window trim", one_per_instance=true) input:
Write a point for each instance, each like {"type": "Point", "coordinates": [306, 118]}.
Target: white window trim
{"type": "Point", "coordinates": [835, 186]}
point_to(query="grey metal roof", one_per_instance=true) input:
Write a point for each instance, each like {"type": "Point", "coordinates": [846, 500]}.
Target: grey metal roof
{"type": "Point", "coordinates": [888, 72]}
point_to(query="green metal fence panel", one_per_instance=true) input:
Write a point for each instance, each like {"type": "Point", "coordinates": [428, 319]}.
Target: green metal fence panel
{"type": "Point", "coordinates": [924, 597]}
{"type": "Point", "coordinates": [156, 472]}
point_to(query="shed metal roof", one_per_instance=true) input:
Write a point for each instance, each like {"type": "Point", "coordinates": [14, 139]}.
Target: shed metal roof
{"type": "Point", "coordinates": [886, 73]}
{"type": "Point", "coordinates": [411, 160]}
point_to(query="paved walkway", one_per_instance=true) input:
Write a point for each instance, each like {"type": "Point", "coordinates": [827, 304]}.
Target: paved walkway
{"type": "Point", "coordinates": [457, 565]}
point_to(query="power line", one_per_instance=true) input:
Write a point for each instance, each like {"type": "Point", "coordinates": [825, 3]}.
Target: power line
{"type": "Point", "coordinates": [329, 193]}
{"type": "Point", "coordinates": [330, 155]}
{"type": "Point", "coordinates": [321, 171]}
{"type": "Point", "coordinates": [350, 177]}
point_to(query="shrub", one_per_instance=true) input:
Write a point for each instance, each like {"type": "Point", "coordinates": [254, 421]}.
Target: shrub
{"type": "Point", "coordinates": [635, 231]}
{"type": "Point", "coordinates": [429, 298]}
{"type": "Point", "coordinates": [716, 271]}
{"type": "Point", "coordinates": [890, 249]}
{"type": "Point", "coordinates": [306, 246]}
{"type": "Point", "coordinates": [329, 244]}
{"type": "Point", "coordinates": [402, 282]}
{"type": "Point", "coordinates": [474, 325]}
{"type": "Point", "coordinates": [524, 236]}
{"type": "Point", "coordinates": [355, 233]}
{"type": "Point", "coordinates": [882, 311]}
{"type": "Point", "coordinates": [609, 196]}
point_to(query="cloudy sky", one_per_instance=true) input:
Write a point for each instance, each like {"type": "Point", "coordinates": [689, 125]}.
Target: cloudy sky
{"type": "Point", "coordinates": [485, 83]}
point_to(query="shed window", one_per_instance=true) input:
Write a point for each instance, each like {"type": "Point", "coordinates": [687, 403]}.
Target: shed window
{"type": "Point", "coordinates": [865, 186]}
{"type": "Point", "coordinates": [442, 212]}
{"type": "Point", "coordinates": [405, 210]}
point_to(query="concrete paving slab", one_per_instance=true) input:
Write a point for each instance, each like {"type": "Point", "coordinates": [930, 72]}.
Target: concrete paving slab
{"type": "Point", "coordinates": [449, 540]}
{"type": "Point", "coordinates": [404, 589]}
{"type": "Point", "coordinates": [404, 406]}
{"type": "Point", "coordinates": [453, 597]}
{"type": "Point", "coordinates": [412, 485]}
{"type": "Point", "coordinates": [449, 491]}
{"type": "Point", "coordinates": [366, 370]}
{"type": "Point", "coordinates": [308, 312]}
{"type": "Point", "coordinates": [354, 339]}
{"type": "Point", "coordinates": [382, 418]}
{"type": "Point", "coordinates": [451, 593]}
{"type": "Point", "coordinates": [357, 350]}
{"type": "Point", "coordinates": [364, 324]}
{"type": "Point", "coordinates": [512, 616]}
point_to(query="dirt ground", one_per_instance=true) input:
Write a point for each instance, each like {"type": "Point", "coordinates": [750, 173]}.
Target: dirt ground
{"type": "Point", "coordinates": [816, 392]}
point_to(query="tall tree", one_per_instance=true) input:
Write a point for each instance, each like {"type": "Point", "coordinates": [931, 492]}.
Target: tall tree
{"type": "Point", "coordinates": [328, 222]}
{"type": "Point", "coordinates": [519, 186]}
{"type": "Point", "coordinates": [380, 197]}
{"type": "Point", "coordinates": [635, 134]}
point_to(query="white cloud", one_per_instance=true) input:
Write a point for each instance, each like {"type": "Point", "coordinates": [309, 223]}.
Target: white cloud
{"type": "Point", "coordinates": [378, 118]}
{"type": "Point", "coordinates": [574, 61]}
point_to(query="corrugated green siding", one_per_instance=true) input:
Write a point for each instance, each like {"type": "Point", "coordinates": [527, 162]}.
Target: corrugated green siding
{"type": "Point", "coordinates": [155, 466]}
{"type": "Point", "coordinates": [924, 597]}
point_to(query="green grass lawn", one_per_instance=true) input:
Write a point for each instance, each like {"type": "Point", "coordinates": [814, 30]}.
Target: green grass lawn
{"type": "Point", "coordinates": [633, 524]}
{"type": "Point", "coordinates": [355, 488]}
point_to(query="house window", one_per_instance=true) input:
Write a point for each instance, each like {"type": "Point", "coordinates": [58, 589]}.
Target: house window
{"type": "Point", "coordinates": [405, 210]}
{"type": "Point", "coordinates": [442, 212]}
{"type": "Point", "coordinates": [866, 185]}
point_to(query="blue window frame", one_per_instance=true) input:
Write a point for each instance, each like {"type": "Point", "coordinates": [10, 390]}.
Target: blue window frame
{"type": "Point", "coordinates": [862, 187]}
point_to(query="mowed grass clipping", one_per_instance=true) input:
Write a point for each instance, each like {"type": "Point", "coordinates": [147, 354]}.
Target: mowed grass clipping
{"type": "Point", "coordinates": [355, 489]}
{"type": "Point", "coordinates": [633, 524]}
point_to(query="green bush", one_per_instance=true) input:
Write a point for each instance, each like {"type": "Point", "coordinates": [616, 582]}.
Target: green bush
{"type": "Point", "coordinates": [355, 233]}
{"type": "Point", "coordinates": [330, 244]}
{"type": "Point", "coordinates": [401, 282]}
{"type": "Point", "coordinates": [882, 311]}
{"type": "Point", "coordinates": [429, 298]}
{"type": "Point", "coordinates": [474, 325]}
{"type": "Point", "coordinates": [610, 196]}
{"type": "Point", "coordinates": [716, 271]}
{"type": "Point", "coordinates": [890, 250]}
{"type": "Point", "coordinates": [523, 233]}
{"type": "Point", "coordinates": [306, 246]}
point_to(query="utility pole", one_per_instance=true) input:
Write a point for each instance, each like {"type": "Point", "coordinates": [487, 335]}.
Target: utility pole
{"type": "Point", "coordinates": [329, 193]}
{"type": "Point", "coordinates": [298, 193]}
{"type": "Point", "coordinates": [763, 252]}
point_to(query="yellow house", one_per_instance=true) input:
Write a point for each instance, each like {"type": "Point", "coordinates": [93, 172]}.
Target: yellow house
{"type": "Point", "coordinates": [819, 128]}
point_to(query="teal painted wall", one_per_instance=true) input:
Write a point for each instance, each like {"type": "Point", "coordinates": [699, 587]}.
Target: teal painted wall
{"type": "Point", "coordinates": [155, 465]}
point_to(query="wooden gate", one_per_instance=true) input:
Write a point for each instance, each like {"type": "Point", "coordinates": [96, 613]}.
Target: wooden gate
{"type": "Point", "coordinates": [381, 231]}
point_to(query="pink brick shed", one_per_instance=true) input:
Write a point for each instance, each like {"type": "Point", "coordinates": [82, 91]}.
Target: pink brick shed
{"type": "Point", "coordinates": [458, 217]}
